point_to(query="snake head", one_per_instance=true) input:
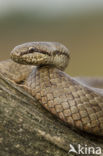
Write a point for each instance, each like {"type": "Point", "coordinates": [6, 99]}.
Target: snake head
{"type": "Point", "coordinates": [41, 53]}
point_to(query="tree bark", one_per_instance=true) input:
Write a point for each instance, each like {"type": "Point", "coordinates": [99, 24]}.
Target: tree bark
{"type": "Point", "coordinates": [27, 129]}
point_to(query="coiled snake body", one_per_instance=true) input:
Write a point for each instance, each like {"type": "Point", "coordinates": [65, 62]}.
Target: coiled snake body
{"type": "Point", "coordinates": [73, 102]}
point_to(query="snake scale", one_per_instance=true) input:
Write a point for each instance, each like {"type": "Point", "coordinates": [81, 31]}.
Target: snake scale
{"type": "Point", "coordinates": [78, 105]}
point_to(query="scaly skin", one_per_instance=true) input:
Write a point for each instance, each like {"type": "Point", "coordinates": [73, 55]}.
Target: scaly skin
{"type": "Point", "coordinates": [73, 102]}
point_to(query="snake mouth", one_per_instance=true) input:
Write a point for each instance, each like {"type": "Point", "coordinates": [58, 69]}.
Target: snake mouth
{"type": "Point", "coordinates": [33, 51]}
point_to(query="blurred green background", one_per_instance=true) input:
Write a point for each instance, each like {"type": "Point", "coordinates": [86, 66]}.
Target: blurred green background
{"type": "Point", "coordinates": [76, 24]}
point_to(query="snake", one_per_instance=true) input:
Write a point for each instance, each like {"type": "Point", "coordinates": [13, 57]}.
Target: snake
{"type": "Point", "coordinates": [41, 66]}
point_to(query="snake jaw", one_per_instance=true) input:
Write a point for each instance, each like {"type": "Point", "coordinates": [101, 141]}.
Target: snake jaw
{"type": "Point", "coordinates": [30, 58]}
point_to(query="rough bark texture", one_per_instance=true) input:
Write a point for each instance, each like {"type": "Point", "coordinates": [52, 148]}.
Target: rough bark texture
{"type": "Point", "coordinates": [27, 129]}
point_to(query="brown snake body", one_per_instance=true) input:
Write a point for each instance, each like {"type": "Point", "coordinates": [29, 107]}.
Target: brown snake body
{"type": "Point", "coordinates": [75, 103]}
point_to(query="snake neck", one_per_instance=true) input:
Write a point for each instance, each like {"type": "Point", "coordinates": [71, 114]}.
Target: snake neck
{"type": "Point", "coordinates": [50, 76]}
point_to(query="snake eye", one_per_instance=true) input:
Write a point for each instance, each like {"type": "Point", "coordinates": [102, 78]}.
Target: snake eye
{"type": "Point", "coordinates": [31, 50]}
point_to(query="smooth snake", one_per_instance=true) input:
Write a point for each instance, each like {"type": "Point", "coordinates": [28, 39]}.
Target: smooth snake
{"type": "Point", "coordinates": [70, 99]}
